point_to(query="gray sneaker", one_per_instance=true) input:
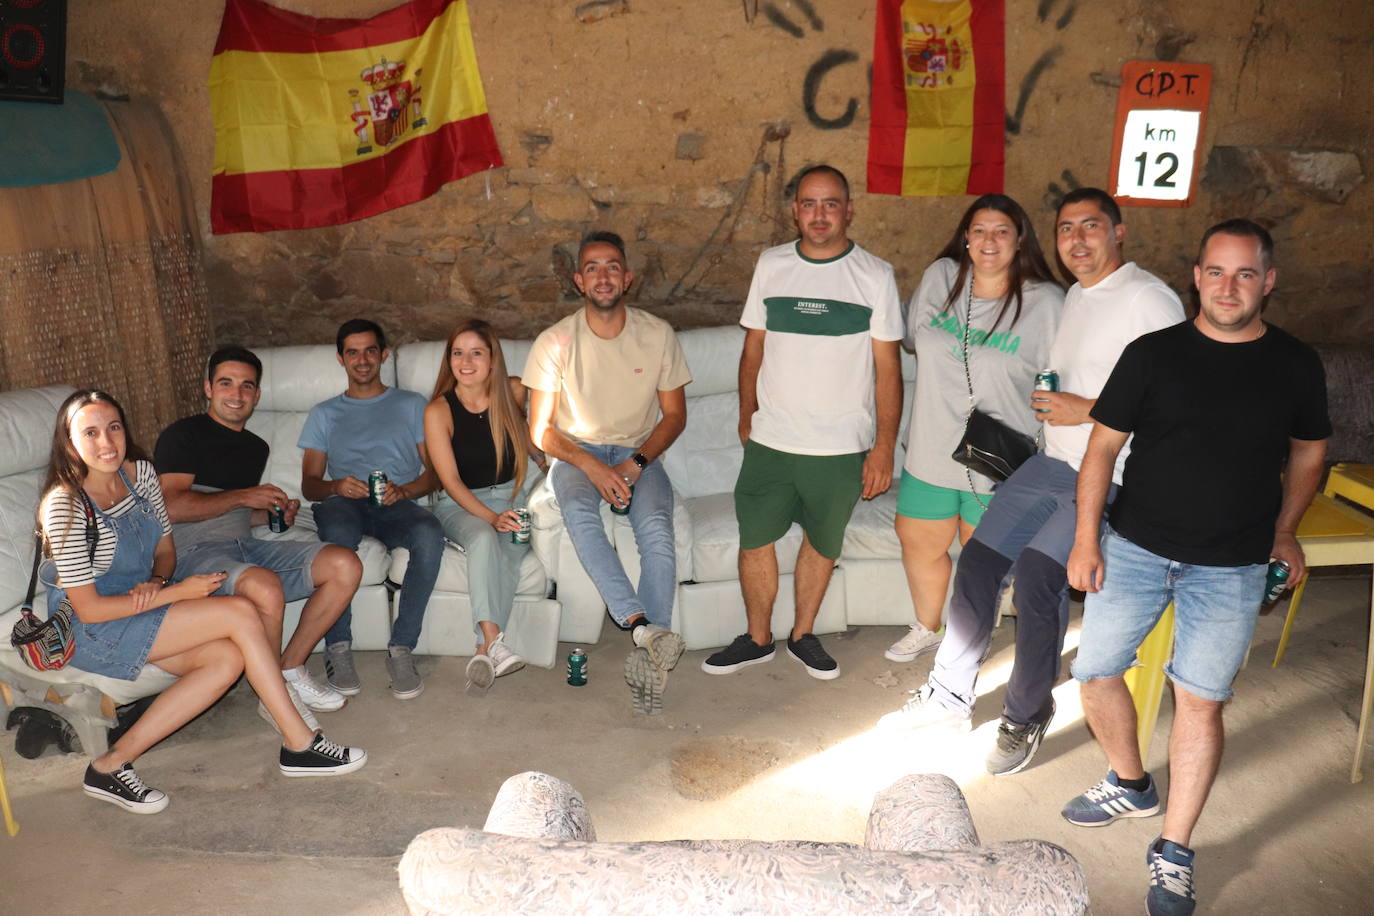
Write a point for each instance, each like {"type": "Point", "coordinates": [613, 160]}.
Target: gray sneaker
{"type": "Point", "coordinates": [647, 680]}
{"type": "Point", "coordinates": [339, 670]}
{"type": "Point", "coordinates": [663, 645]}
{"type": "Point", "coordinates": [405, 680]}
{"type": "Point", "coordinates": [1017, 744]}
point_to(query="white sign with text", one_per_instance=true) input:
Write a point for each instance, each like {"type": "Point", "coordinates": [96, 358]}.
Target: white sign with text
{"type": "Point", "coordinates": [1157, 154]}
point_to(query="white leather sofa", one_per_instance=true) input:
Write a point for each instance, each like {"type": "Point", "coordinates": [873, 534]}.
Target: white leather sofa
{"type": "Point", "coordinates": [869, 585]}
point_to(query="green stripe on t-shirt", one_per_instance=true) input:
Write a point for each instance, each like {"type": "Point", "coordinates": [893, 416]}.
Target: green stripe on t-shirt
{"type": "Point", "coordinates": [820, 317]}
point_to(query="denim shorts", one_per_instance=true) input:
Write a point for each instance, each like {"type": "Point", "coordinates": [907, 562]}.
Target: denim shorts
{"type": "Point", "coordinates": [289, 559]}
{"type": "Point", "coordinates": [1215, 609]}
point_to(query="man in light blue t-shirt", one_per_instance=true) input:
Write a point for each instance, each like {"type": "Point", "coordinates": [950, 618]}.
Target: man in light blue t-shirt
{"type": "Point", "coordinates": [371, 427]}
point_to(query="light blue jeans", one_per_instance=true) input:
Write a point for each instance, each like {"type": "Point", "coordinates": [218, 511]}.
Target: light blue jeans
{"type": "Point", "coordinates": [493, 559]}
{"type": "Point", "coordinates": [651, 518]}
{"type": "Point", "coordinates": [1215, 608]}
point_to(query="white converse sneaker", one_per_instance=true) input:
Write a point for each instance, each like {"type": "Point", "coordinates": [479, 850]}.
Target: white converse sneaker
{"type": "Point", "coordinates": [503, 657]}
{"type": "Point", "coordinates": [317, 696]}
{"type": "Point", "coordinates": [917, 641]}
{"type": "Point", "coordinates": [924, 710]}
{"type": "Point", "coordinates": [311, 722]}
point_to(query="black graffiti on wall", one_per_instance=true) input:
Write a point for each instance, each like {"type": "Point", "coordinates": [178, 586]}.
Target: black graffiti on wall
{"type": "Point", "coordinates": [819, 69]}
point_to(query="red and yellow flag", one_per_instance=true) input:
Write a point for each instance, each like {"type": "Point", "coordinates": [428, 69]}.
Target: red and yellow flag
{"type": "Point", "coordinates": [323, 121]}
{"type": "Point", "coordinates": [937, 107]}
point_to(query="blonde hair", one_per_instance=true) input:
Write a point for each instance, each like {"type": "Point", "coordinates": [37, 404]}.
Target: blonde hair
{"type": "Point", "coordinates": [507, 420]}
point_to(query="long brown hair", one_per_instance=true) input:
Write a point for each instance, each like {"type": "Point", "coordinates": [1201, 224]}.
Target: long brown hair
{"type": "Point", "coordinates": [1028, 265]}
{"type": "Point", "coordinates": [507, 420]}
{"type": "Point", "coordinates": [66, 470]}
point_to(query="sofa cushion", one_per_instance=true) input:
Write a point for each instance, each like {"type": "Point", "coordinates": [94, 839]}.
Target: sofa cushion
{"type": "Point", "coordinates": [871, 534]}
{"type": "Point", "coordinates": [715, 540]}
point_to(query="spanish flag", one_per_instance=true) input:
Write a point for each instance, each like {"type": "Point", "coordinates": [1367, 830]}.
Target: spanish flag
{"type": "Point", "coordinates": [324, 121]}
{"type": "Point", "coordinates": [937, 107]}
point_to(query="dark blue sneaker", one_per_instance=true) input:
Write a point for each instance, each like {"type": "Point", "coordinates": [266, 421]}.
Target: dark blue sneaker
{"type": "Point", "coordinates": [741, 653]}
{"type": "Point", "coordinates": [1171, 879]}
{"type": "Point", "coordinates": [1109, 800]}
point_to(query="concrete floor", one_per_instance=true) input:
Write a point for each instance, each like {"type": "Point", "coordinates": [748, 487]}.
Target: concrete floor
{"type": "Point", "coordinates": [767, 753]}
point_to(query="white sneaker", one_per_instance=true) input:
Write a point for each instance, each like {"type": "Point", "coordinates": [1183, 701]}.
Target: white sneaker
{"type": "Point", "coordinates": [923, 710]}
{"type": "Point", "coordinates": [317, 696]}
{"type": "Point", "coordinates": [311, 722]}
{"type": "Point", "coordinates": [503, 657]}
{"type": "Point", "coordinates": [918, 640]}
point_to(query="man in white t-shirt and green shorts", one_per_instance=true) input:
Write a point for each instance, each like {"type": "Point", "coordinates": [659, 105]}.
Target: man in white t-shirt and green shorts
{"type": "Point", "coordinates": [820, 401]}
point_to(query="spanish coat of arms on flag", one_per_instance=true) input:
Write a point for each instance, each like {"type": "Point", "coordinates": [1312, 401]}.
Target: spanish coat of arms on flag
{"type": "Point", "coordinates": [937, 104]}
{"type": "Point", "coordinates": [324, 121]}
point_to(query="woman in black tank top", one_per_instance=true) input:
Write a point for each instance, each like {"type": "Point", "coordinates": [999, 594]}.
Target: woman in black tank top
{"type": "Point", "coordinates": [478, 443]}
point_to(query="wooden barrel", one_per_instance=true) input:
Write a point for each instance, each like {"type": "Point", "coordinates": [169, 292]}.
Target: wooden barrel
{"type": "Point", "coordinates": [101, 279]}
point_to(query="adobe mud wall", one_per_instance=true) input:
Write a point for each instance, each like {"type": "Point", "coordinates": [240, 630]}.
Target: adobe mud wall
{"type": "Point", "coordinates": [678, 123]}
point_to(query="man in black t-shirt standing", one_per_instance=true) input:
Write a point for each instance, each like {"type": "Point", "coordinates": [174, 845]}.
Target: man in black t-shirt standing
{"type": "Point", "coordinates": [211, 468]}
{"type": "Point", "coordinates": [1230, 425]}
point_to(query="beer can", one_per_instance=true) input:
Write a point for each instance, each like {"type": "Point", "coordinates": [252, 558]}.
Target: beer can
{"type": "Point", "coordinates": [376, 487]}
{"type": "Point", "coordinates": [577, 668]}
{"type": "Point", "coordinates": [1275, 580]}
{"type": "Point", "coordinates": [1046, 380]}
{"type": "Point", "coordinates": [625, 509]}
{"type": "Point", "coordinates": [276, 519]}
{"type": "Point", "coordinates": [522, 536]}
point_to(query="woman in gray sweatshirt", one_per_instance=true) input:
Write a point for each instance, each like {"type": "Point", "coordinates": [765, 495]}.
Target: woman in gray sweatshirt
{"type": "Point", "coordinates": [991, 281]}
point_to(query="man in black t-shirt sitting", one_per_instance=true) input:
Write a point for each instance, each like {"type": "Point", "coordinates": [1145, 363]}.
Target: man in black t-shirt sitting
{"type": "Point", "coordinates": [1218, 406]}
{"type": "Point", "coordinates": [210, 468]}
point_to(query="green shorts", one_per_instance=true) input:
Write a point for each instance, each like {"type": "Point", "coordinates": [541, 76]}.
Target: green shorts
{"type": "Point", "coordinates": [918, 499]}
{"type": "Point", "coordinates": [777, 488]}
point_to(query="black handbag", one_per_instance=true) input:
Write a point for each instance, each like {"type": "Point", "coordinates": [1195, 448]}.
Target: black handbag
{"type": "Point", "coordinates": [988, 446]}
{"type": "Point", "coordinates": [47, 645]}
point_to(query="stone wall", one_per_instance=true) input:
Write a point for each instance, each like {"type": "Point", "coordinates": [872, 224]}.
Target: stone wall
{"type": "Point", "coordinates": [678, 123]}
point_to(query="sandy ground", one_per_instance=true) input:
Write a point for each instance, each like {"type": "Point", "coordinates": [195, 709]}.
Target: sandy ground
{"type": "Point", "coordinates": [767, 753]}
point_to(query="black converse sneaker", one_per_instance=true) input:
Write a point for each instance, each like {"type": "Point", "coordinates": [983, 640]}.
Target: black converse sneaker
{"type": "Point", "coordinates": [322, 758]}
{"type": "Point", "coordinates": [125, 789]}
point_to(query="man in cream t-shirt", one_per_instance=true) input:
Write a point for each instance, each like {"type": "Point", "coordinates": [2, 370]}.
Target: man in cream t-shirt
{"type": "Point", "coordinates": [606, 400]}
{"type": "Point", "coordinates": [820, 401]}
{"type": "Point", "coordinates": [1028, 529]}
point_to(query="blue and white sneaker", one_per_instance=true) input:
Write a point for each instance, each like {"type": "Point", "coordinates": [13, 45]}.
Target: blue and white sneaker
{"type": "Point", "coordinates": [1171, 879]}
{"type": "Point", "coordinates": [1109, 800]}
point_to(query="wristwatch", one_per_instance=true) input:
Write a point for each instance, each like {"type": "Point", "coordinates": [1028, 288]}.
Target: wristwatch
{"type": "Point", "coordinates": [640, 461]}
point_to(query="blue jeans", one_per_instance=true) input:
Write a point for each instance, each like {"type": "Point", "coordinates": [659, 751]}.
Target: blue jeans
{"type": "Point", "coordinates": [1215, 609]}
{"type": "Point", "coordinates": [1027, 531]}
{"type": "Point", "coordinates": [345, 521]}
{"type": "Point", "coordinates": [493, 558]}
{"type": "Point", "coordinates": [651, 518]}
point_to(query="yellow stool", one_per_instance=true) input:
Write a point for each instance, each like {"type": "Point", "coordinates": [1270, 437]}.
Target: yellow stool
{"type": "Point", "coordinates": [1353, 481]}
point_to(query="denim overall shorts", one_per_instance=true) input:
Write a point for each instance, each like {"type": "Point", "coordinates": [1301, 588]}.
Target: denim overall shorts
{"type": "Point", "coordinates": [118, 648]}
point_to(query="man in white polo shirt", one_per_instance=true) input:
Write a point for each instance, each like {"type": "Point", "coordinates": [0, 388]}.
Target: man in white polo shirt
{"type": "Point", "coordinates": [823, 322]}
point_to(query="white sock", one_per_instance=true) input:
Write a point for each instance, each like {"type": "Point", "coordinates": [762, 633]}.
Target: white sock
{"type": "Point", "coordinates": [293, 675]}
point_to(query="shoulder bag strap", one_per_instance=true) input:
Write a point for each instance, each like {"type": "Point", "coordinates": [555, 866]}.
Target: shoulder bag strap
{"type": "Point", "coordinates": [33, 573]}
{"type": "Point", "coordinates": [968, 377]}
